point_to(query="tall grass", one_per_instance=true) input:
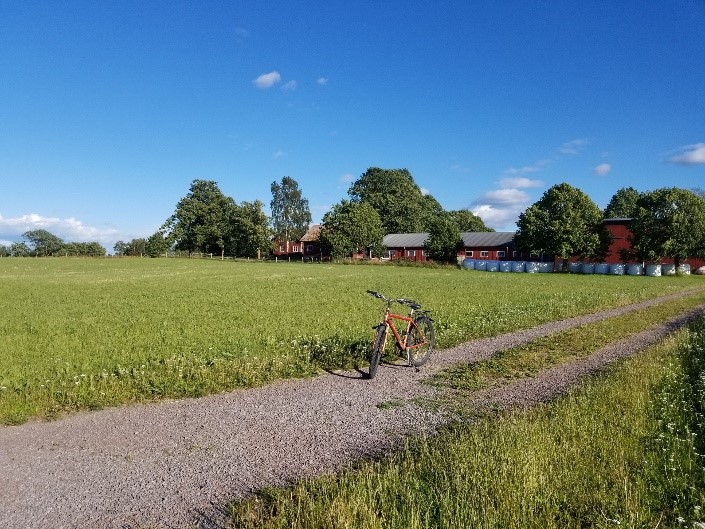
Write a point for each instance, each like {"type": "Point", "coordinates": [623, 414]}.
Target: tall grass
{"type": "Point", "coordinates": [89, 333]}
{"type": "Point", "coordinates": [617, 452]}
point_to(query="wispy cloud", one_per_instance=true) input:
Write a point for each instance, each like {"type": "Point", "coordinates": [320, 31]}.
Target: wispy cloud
{"type": "Point", "coordinates": [519, 183]}
{"type": "Point", "coordinates": [602, 169]}
{"type": "Point", "coordinates": [70, 230]}
{"type": "Point", "coordinates": [267, 80]}
{"type": "Point", "coordinates": [457, 168]}
{"type": "Point", "coordinates": [290, 85]}
{"type": "Point", "coordinates": [242, 33]}
{"type": "Point", "coordinates": [689, 155]}
{"type": "Point", "coordinates": [346, 178]}
{"type": "Point", "coordinates": [279, 154]}
{"type": "Point", "coordinates": [322, 81]}
{"type": "Point", "coordinates": [574, 146]}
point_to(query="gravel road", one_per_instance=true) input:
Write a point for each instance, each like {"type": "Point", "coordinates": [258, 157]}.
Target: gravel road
{"type": "Point", "coordinates": [176, 463]}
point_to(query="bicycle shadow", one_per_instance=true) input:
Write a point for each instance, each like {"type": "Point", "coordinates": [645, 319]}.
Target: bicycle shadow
{"type": "Point", "coordinates": [360, 373]}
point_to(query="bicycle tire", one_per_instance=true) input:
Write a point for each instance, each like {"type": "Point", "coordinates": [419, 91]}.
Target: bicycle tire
{"type": "Point", "coordinates": [422, 328]}
{"type": "Point", "coordinates": [377, 350]}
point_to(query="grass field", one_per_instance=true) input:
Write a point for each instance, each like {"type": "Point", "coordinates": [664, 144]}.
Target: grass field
{"type": "Point", "coordinates": [84, 333]}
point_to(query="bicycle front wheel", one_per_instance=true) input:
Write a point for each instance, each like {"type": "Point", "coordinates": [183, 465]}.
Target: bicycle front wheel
{"type": "Point", "coordinates": [377, 350]}
{"type": "Point", "coordinates": [421, 341]}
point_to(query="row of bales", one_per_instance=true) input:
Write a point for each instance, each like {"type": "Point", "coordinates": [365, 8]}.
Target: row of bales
{"type": "Point", "coordinates": [617, 269]}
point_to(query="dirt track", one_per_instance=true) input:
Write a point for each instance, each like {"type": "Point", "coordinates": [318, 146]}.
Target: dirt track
{"type": "Point", "coordinates": [176, 463]}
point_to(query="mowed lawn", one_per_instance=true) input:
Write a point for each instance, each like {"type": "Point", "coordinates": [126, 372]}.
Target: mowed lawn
{"type": "Point", "coordinates": [86, 333]}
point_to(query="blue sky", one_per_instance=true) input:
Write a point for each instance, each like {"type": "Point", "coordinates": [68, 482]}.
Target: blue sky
{"type": "Point", "coordinates": [109, 110]}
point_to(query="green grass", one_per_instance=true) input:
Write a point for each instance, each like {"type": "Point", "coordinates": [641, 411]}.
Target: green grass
{"type": "Point", "coordinates": [528, 359]}
{"type": "Point", "coordinates": [623, 450]}
{"type": "Point", "coordinates": [88, 333]}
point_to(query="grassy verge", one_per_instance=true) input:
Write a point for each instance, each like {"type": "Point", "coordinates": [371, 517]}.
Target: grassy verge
{"type": "Point", "coordinates": [529, 359]}
{"type": "Point", "coordinates": [89, 333]}
{"type": "Point", "coordinates": [620, 451]}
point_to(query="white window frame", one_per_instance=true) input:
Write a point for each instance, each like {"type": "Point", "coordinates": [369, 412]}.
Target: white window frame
{"type": "Point", "coordinates": [411, 253]}
{"type": "Point", "coordinates": [484, 253]}
{"type": "Point", "coordinates": [500, 253]}
{"type": "Point", "coordinates": [468, 253]}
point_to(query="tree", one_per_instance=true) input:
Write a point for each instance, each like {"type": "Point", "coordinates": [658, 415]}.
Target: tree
{"type": "Point", "coordinates": [250, 235]}
{"type": "Point", "coordinates": [670, 223]}
{"type": "Point", "coordinates": [290, 213]}
{"type": "Point", "coordinates": [444, 239]}
{"type": "Point", "coordinates": [120, 248]}
{"type": "Point", "coordinates": [623, 204]}
{"type": "Point", "coordinates": [563, 222]}
{"type": "Point", "coordinates": [351, 227]}
{"type": "Point", "coordinates": [4, 250]}
{"type": "Point", "coordinates": [400, 203]}
{"type": "Point", "coordinates": [201, 220]}
{"type": "Point", "coordinates": [466, 220]}
{"type": "Point", "coordinates": [156, 244]}
{"type": "Point", "coordinates": [43, 242]}
{"type": "Point", "coordinates": [19, 249]}
{"type": "Point", "coordinates": [136, 247]}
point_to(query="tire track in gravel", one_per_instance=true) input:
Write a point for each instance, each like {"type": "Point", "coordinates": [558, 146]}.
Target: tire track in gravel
{"type": "Point", "coordinates": [177, 463]}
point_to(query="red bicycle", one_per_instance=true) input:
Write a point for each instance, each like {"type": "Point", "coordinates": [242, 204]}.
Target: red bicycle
{"type": "Point", "coordinates": [417, 341]}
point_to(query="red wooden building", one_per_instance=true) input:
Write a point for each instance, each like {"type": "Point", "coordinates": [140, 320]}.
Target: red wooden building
{"type": "Point", "coordinates": [476, 245]}
{"type": "Point", "coordinates": [308, 247]}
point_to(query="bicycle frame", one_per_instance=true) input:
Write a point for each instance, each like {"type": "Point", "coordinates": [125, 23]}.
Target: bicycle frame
{"type": "Point", "coordinates": [401, 340]}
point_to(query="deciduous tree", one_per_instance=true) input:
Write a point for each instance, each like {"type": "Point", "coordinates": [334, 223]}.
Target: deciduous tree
{"type": "Point", "coordinates": [466, 220]}
{"type": "Point", "coordinates": [290, 212]}
{"type": "Point", "coordinates": [156, 244]}
{"type": "Point", "coordinates": [670, 223]}
{"type": "Point", "coordinates": [43, 242]}
{"type": "Point", "coordinates": [563, 222]}
{"type": "Point", "coordinates": [201, 220]}
{"type": "Point", "coordinates": [352, 227]}
{"type": "Point", "coordinates": [623, 204]}
{"type": "Point", "coordinates": [250, 234]}
{"type": "Point", "coordinates": [444, 239]}
{"type": "Point", "coordinates": [397, 199]}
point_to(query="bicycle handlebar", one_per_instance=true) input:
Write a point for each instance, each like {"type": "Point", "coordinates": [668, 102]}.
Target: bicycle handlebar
{"type": "Point", "coordinates": [408, 302]}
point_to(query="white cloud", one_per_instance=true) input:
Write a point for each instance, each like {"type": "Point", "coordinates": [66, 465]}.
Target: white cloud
{"type": "Point", "coordinates": [279, 154]}
{"type": "Point", "coordinates": [267, 80]}
{"type": "Point", "coordinates": [346, 178]}
{"type": "Point", "coordinates": [690, 155]}
{"type": "Point", "coordinates": [602, 169]}
{"type": "Point", "coordinates": [242, 33]}
{"type": "Point", "coordinates": [502, 219]}
{"type": "Point", "coordinates": [505, 197]}
{"type": "Point", "coordinates": [70, 230]}
{"type": "Point", "coordinates": [425, 191]}
{"type": "Point", "coordinates": [322, 81]}
{"type": "Point", "coordinates": [574, 146]}
{"type": "Point", "coordinates": [290, 85]}
{"type": "Point", "coordinates": [519, 183]}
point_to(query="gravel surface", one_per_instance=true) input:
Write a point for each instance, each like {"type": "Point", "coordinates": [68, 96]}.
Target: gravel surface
{"type": "Point", "coordinates": [177, 463]}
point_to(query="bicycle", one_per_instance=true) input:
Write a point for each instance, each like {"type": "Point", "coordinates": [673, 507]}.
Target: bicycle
{"type": "Point", "coordinates": [417, 340]}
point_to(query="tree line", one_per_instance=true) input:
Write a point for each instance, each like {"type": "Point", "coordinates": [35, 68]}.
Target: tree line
{"type": "Point", "coordinates": [667, 223]}
{"type": "Point", "coordinates": [42, 243]}
{"type": "Point", "coordinates": [565, 222]}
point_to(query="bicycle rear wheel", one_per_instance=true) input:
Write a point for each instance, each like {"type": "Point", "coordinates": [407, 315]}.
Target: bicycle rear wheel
{"type": "Point", "coordinates": [377, 350]}
{"type": "Point", "coordinates": [422, 341]}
